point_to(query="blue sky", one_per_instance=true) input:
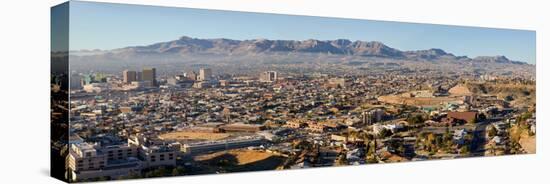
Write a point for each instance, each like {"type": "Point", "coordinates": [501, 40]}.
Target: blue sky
{"type": "Point", "coordinates": [109, 26]}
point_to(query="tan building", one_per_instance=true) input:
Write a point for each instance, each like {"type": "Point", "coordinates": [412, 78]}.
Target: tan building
{"type": "Point", "coordinates": [295, 124]}
{"type": "Point", "coordinates": [149, 74]}
{"type": "Point", "coordinates": [93, 161]}
{"type": "Point", "coordinates": [129, 76]}
{"type": "Point", "coordinates": [191, 75]}
{"type": "Point", "coordinates": [84, 156]}
{"type": "Point", "coordinates": [269, 76]}
{"type": "Point", "coordinates": [205, 74]}
{"type": "Point", "coordinates": [337, 83]}
{"type": "Point", "coordinates": [154, 155]}
{"type": "Point", "coordinates": [316, 127]}
{"type": "Point", "coordinates": [372, 116]}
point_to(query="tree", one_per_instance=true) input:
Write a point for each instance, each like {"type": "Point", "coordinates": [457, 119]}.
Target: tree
{"type": "Point", "coordinates": [439, 141]}
{"type": "Point", "coordinates": [161, 171]}
{"type": "Point", "coordinates": [416, 119]}
{"type": "Point", "coordinates": [482, 116]}
{"type": "Point", "coordinates": [370, 156]}
{"type": "Point", "coordinates": [134, 175]}
{"type": "Point", "coordinates": [492, 148]}
{"type": "Point", "coordinates": [372, 159]}
{"type": "Point", "coordinates": [447, 135]}
{"type": "Point", "coordinates": [178, 171]}
{"type": "Point", "coordinates": [223, 162]}
{"type": "Point", "coordinates": [353, 135]}
{"type": "Point", "coordinates": [342, 159]}
{"type": "Point", "coordinates": [103, 178]}
{"type": "Point", "coordinates": [472, 121]}
{"type": "Point", "coordinates": [385, 133]}
{"type": "Point", "coordinates": [430, 138]}
{"type": "Point", "coordinates": [401, 149]}
{"type": "Point", "coordinates": [465, 150]}
{"type": "Point", "coordinates": [365, 137]}
{"type": "Point", "coordinates": [304, 145]}
{"type": "Point", "coordinates": [492, 131]}
{"type": "Point", "coordinates": [369, 149]}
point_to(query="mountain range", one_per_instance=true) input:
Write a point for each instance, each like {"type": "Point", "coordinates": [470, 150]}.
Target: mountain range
{"type": "Point", "coordinates": [187, 45]}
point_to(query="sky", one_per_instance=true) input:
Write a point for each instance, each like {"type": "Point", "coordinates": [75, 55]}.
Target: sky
{"type": "Point", "coordinates": [109, 26]}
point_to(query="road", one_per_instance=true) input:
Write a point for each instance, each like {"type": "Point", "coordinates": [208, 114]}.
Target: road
{"type": "Point", "coordinates": [479, 137]}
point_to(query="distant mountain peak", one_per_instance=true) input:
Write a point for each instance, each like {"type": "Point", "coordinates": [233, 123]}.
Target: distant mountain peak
{"type": "Point", "coordinates": [438, 51]}
{"type": "Point", "coordinates": [185, 38]}
{"type": "Point", "coordinates": [496, 59]}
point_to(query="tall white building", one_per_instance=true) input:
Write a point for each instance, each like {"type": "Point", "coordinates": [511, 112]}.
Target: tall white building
{"type": "Point", "coordinates": [269, 76]}
{"type": "Point", "coordinates": [205, 74]}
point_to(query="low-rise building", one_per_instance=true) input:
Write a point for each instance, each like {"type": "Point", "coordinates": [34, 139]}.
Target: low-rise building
{"type": "Point", "coordinates": [209, 146]}
{"type": "Point", "coordinates": [93, 160]}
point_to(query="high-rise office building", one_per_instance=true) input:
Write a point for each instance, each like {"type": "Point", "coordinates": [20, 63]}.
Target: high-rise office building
{"type": "Point", "coordinates": [372, 116]}
{"type": "Point", "coordinates": [205, 74]}
{"type": "Point", "coordinates": [338, 82]}
{"type": "Point", "coordinates": [129, 76]}
{"type": "Point", "coordinates": [139, 76]}
{"type": "Point", "coordinates": [269, 76]}
{"type": "Point", "coordinates": [191, 75]}
{"type": "Point", "coordinates": [149, 74]}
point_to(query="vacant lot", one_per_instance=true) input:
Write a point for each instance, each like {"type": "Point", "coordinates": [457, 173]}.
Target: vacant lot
{"type": "Point", "coordinates": [186, 135]}
{"type": "Point", "coordinates": [419, 101]}
{"type": "Point", "coordinates": [238, 160]}
{"type": "Point", "coordinates": [242, 156]}
{"type": "Point", "coordinates": [519, 95]}
{"type": "Point", "coordinates": [527, 142]}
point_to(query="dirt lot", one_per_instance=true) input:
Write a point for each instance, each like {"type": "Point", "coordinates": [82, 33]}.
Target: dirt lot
{"type": "Point", "coordinates": [523, 95]}
{"type": "Point", "coordinates": [238, 160]}
{"type": "Point", "coordinates": [242, 156]}
{"type": "Point", "coordinates": [421, 101]}
{"type": "Point", "coordinates": [185, 135]}
{"type": "Point", "coordinates": [527, 142]}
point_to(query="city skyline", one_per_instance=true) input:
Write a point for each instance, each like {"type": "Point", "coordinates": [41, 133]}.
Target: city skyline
{"type": "Point", "coordinates": [193, 106]}
{"type": "Point", "coordinates": [106, 30]}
